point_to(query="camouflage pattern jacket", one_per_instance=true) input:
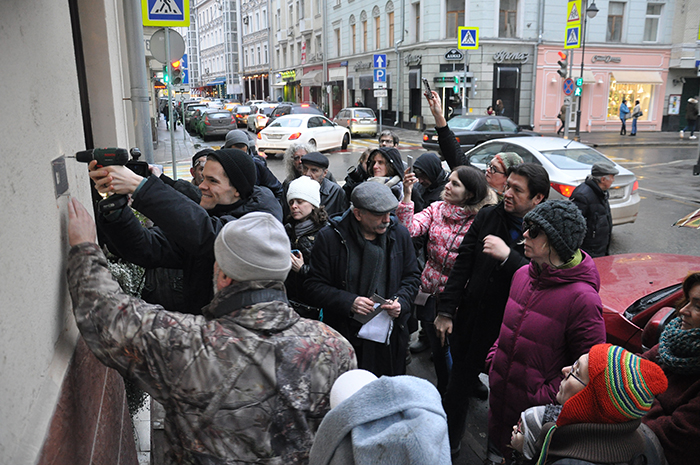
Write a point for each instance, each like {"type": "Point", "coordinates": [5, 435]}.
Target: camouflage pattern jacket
{"type": "Point", "coordinates": [249, 386]}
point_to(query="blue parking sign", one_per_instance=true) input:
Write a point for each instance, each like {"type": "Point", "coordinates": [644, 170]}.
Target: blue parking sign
{"type": "Point", "coordinates": [380, 75]}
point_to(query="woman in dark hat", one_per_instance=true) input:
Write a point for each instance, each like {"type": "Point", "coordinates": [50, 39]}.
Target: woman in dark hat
{"type": "Point", "coordinates": [553, 316]}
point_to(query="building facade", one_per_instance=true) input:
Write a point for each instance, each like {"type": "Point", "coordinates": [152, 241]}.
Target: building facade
{"type": "Point", "coordinates": [255, 49]}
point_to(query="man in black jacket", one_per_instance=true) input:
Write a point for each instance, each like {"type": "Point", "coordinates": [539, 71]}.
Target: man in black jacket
{"type": "Point", "coordinates": [184, 232]}
{"type": "Point", "coordinates": [472, 304]}
{"type": "Point", "coordinates": [363, 253]}
{"type": "Point", "coordinates": [333, 199]}
{"type": "Point", "coordinates": [591, 197]}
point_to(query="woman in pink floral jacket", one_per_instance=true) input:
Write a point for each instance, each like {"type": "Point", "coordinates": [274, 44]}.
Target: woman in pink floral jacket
{"type": "Point", "coordinates": [445, 223]}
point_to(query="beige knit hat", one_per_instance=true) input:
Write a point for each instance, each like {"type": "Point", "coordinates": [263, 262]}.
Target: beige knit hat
{"type": "Point", "coordinates": [253, 247]}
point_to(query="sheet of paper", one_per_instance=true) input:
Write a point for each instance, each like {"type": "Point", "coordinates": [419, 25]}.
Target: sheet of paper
{"type": "Point", "coordinates": [378, 328]}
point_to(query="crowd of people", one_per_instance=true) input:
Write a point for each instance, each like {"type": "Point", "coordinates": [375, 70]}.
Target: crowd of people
{"type": "Point", "coordinates": [289, 287]}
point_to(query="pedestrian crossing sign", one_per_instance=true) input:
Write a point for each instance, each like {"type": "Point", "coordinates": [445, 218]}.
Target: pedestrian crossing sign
{"type": "Point", "coordinates": [165, 13]}
{"type": "Point", "coordinates": [573, 37]}
{"type": "Point", "coordinates": [468, 38]}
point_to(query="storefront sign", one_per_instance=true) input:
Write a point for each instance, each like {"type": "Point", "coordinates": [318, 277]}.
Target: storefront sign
{"type": "Point", "coordinates": [412, 59]}
{"type": "Point", "coordinates": [289, 75]}
{"type": "Point", "coordinates": [605, 58]}
{"type": "Point", "coordinates": [454, 54]}
{"type": "Point", "coordinates": [359, 65]}
{"type": "Point", "coordinates": [344, 63]}
{"type": "Point", "coordinates": [500, 57]}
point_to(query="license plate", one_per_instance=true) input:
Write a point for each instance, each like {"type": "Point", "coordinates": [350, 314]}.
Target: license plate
{"type": "Point", "coordinates": [274, 136]}
{"type": "Point", "coordinates": [435, 137]}
{"type": "Point", "coordinates": [616, 193]}
{"type": "Point", "coordinates": [365, 121]}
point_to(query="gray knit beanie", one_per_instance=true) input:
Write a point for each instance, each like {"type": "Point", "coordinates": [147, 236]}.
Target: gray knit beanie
{"type": "Point", "coordinates": [563, 224]}
{"type": "Point", "coordinates": [253, 247]}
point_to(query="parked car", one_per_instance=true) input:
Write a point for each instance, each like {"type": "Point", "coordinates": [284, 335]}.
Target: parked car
{"type": "Point", "coordinates": [194, 119]}
{"type": "Point", "coordinates": [216, 103]}
{"type": "Point", "coordinates": [259, 114]}
{"type": "Point", "coordinates": [639, 292]}
{"type": "Point", "coordinates": [567, 163]}
{"type": "Point", "coordinates": [189, 113]}
{"type": "Point", "coordinates": [358, 120]}
{"type": "Point", "coordinates": [309, 128]}
{"type": "Point", "coordinates": [241, 113]}
{"type": "Point", "coordinates": [472, 130]}
{"type": "Point", "coordinates": [293, 109]}
{"type": "Point", "coordinates": [215, 122]}
{"type": "Point", "coordinates": [231, 105]}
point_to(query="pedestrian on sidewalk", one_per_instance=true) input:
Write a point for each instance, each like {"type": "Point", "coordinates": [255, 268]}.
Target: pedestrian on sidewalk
{"type": "Point", "coordinates": [636, 113]}
{"type": "Point", "coordinates": [691, 116]}
{"type": "Point", "coordinates": [561, 116]}
{"type": "Point", "coordinates": [624, 114]}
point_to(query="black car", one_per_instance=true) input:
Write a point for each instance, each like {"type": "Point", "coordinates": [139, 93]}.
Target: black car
{"type": "Point", "coordinates": [472, 130]}
{"type": "Point", "coordinates": [293, 109]}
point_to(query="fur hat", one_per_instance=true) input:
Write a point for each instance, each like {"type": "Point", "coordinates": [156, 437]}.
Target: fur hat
{"type": "Point", "coordinates": [253, 247]}
{"type": "Point", "coordinates": [563, 223]}
{"type": "Point", "coordinates": [305, 188]}
{"type": "Point", "coordinates": [621, 388]}
{"type": "Point", "coordinates": [239, 167]}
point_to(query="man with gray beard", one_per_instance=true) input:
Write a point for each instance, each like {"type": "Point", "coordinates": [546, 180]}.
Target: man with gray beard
{"type": "Point", "coordinates": [363, 272]}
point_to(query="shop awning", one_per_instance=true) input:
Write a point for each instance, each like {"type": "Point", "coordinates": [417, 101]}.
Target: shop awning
{"type": "Point", "coordinates": [216, 82]}
{"type": "Point", "coordinates": [312, 79]}
{"type": "Point", "coordinates": [588, 77]}
{"type": "Point", "coordinates": [638, 77]}
{"type": "Point", "coordinates": [279, 84]}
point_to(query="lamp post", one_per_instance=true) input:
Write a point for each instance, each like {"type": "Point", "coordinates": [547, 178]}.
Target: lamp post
{"type": "Point", "coordinates": [591, 12]}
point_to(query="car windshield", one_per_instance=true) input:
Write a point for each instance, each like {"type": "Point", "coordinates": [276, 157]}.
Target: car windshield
{"type": "Point", "coordinates": [574, 159]}
{"type": "Point", "coordinates": [242, 109]}
{"type": "Point", "coordinates": [463, 122]}
{"type": "Point", "coordinates": [287, 123]}
{"type": "Point", "coordinates": [364, 114]}
{"type": "Point", "coordinates": [267, 110]}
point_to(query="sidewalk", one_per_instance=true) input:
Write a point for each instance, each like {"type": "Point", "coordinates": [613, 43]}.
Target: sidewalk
{"type": "Point", "coordinates": [184, 149]}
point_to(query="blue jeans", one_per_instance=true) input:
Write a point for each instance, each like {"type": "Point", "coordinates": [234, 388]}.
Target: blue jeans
{"type": "Point", "coordinates": [634, 125]}
{"type": "Point", "coordinates": [623, 129]}
{"type": "Point", "coordinates": [692, 126]}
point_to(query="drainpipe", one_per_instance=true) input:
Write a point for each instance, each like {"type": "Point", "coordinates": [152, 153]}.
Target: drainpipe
{"type": "Point", "coordinates": [138, 78]}
{"type": "Point", "coordinates": [326, 95]}
{"type": "Point", "coordinates": [540, 22]}
{"type": "Point", "coordinates": [399, 103]}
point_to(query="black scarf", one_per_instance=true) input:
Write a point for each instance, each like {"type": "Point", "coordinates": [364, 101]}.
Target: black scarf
{"type": "Point", "coordinates": [369, 274]}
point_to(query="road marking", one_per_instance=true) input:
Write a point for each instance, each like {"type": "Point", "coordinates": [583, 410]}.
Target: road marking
{"type": "Point", "coordinates": [667, 163]}
{"type": "Point", "coordinates": [673, 196]}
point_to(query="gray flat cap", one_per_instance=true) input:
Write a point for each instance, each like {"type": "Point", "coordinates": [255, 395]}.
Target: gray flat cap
{"type": "Point", "coordinates": [602, 169]}
{"type": "Point", "coordinates": [236, 137]}
{"type": "Point", "coordinates": [375, 197]}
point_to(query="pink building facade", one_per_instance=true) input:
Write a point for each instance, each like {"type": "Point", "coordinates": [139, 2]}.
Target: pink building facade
{"type": "Point", "coordinates": [610, 75]}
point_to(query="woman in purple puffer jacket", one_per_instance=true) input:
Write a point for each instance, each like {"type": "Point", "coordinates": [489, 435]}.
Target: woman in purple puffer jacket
{"type": "Point", "coordinates": [553, 316]}
{"type": "Point", "coordinates": [445, 222]}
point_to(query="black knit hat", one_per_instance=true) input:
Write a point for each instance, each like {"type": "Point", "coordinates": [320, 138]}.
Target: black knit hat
{"type": "Point", "coordinates": [563, 224]}
{"type": "Point", "coordinates": [200, 154]}
{"type": "Point", "coordinates": [239, 167]}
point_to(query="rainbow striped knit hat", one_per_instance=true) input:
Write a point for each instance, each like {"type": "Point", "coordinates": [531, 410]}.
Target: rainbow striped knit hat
{"type": "Point", "coordinates": [622, 387]}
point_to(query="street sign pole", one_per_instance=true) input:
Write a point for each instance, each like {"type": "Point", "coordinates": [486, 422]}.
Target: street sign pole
{"type": "Point", "coordinates": [171, 122]}
{"type": "Point", "coordinates": [464, 87]}
{"type": "Point", "coordinates": [570, 59]}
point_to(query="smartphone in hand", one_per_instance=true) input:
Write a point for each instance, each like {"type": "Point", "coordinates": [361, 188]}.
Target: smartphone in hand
{"type": "Point", "coordinates": [409, 162]}
{"type": "Point", "coordinates": [428, 93]}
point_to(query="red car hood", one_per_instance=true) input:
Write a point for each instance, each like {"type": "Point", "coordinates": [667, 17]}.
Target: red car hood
{"type": "Point", "coordinates": [628, 277]}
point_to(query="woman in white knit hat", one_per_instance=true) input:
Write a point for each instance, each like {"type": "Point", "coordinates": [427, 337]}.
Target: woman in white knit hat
{"type": "Point", "coordinates": [306, 217]}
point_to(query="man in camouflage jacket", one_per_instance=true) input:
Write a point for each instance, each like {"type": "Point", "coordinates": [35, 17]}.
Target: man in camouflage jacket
{"type": "Point", "coordinates": [246, 382]}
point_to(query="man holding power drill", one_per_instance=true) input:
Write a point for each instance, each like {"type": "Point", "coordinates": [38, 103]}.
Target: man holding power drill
{"type": "Point", "coordinates": [184, 232]}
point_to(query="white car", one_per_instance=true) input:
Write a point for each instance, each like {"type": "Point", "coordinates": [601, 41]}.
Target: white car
{"type": "Point", "coordinates": [567, 163]}
{"type": "Point", "coordinates": [312, 129]}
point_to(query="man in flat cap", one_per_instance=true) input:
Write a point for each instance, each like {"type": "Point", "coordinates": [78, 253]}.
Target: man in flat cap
{"type": "Point", "coordinates": [591, 197]}
{"type": "Point", "coordinates": [315, 166]}
{"type": "Point", "coordinates": [366, 253]}
{"type": "Point", "coordinates": [248, 381]}
{"type": "Point", "coordinates": [238, 139]}
{"type": "Point", "coordinates": [183, 233]}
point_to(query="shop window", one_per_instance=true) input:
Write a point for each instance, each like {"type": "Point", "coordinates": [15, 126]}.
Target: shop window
{"type": "Point", "coordinates": [455, 17]}
{"type": "Point", "coordinates": [507, 17]}
{"type": "Point", "coordinates": [616, 13]}
{"type": "Point", "coordinates": [631, 92]}
{"type": "Point", "coordinates": [651, 24]}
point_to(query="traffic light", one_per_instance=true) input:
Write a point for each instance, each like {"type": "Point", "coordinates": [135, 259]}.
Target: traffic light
{"type": "Point", "coordinates": [563, 65]}
{"type": "Point", "coordinates": [579, 85]}
{"type": "Point", "coordinates": [165, 74]}
{"type": "Point", "coordinates": [176, 68]}
{"type": "Point", "coordinates": [455, 89]}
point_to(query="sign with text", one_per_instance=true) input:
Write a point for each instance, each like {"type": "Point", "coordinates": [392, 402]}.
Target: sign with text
{"type": "Point", "coordinates": [381, 93]}
{"type": "Point", "coordinates": [165, 13]}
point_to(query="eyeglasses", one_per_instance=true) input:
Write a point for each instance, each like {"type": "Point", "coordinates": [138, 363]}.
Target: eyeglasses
{"type": "Point", "coordinates": [493, 169]}
{"type": "Point", "coordinates": [532, 229]}
{"type": "Point", "coordinates": [571, 374]}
